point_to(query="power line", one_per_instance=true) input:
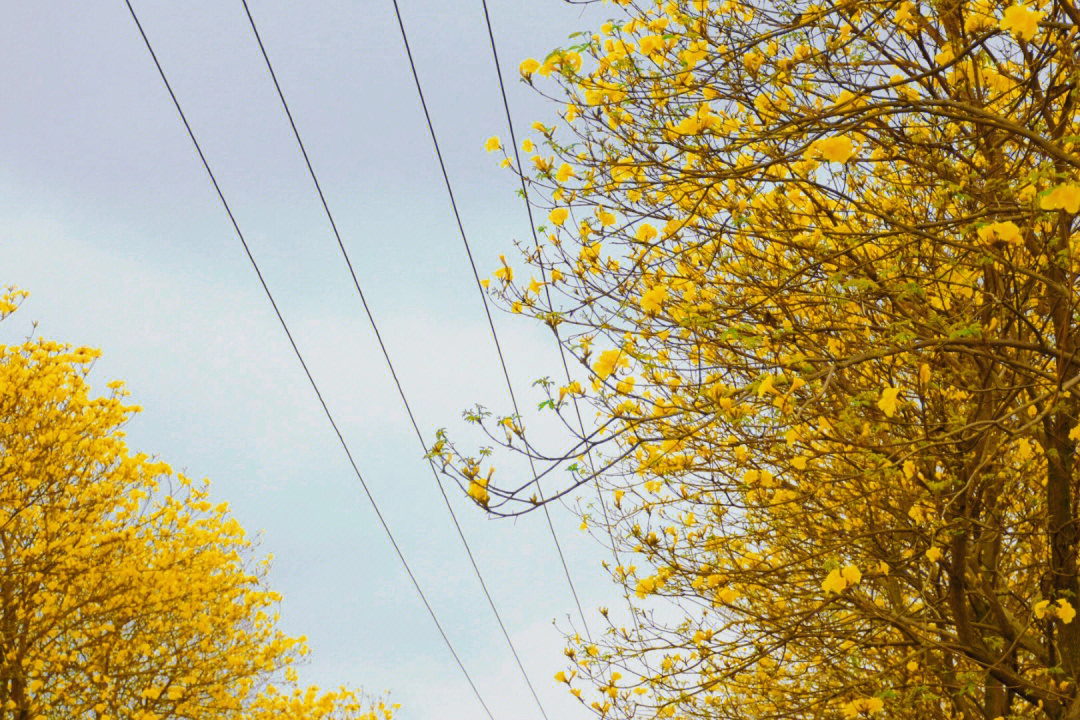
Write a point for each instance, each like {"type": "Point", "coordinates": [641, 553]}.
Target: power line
{"type": "Point", "coordinates": [483, 297]}
{"type": "Point", "coordinates": [386, 354]}
{"type": "Point", "coordinates": [300, 357]}
{"type": "Point", "coordinates": [547, 291]}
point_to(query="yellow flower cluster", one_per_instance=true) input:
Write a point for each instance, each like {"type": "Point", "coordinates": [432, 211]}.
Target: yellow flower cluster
{"type": "Point", "coordinates": [818, 261]}
{"type": "Point", "coordinates": [126, 593]}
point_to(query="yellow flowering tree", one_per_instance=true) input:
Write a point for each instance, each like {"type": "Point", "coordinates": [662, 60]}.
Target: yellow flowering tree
{"type": "Point", "coordinates": [814, 264]}
{"type": "Point", "coordinates": [125, 593]}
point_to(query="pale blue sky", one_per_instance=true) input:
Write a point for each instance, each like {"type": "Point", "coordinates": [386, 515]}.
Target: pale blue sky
{"type": "Point", "coordinates": [107, 218]}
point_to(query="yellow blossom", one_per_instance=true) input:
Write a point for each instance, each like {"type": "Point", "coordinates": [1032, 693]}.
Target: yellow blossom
{"type": "Point", "coordinates": [1021, 21]}
{"type": "Point", "coordinates": [646, 232]}
{"type": "Point", "coordinates": [851, 574]}
{"type": "Point", "coordinates": [528, 67]}
{"type": "Point", "coordinates": [651, 44]}
{"type": "Point", "coordinates": [504, 273]}
{"type": "Point", "coordinates": [1003, 231]}
{"type": "Point", "coordinates": [863, 706]}
{"type": "Point", "coordinates": [834, 149]}
{"type": "Point", "coordinates": [607, 362]}
{"type": "Point", "coordinates": [887, 402]}
{"type": "Point", "coordinates": [652, 300]}
{"type": "Point", "coordinates": [834, 582]}
{"type": "Point", "coordinates": [1063, 197]}
{"type": "Point", "coordinates": [645, 586]}
{"type": "Point", "coordinates": [478, 491]}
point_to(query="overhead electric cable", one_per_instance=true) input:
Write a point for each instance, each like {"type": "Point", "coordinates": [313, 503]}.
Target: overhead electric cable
{"type": "Point", "coordinates": [386, 354]}
{"type": "Point", "coordinates": [303, 363]}
{"type": "Point", "coordinates": [547, 288]}
{"type": "Point", "coordinates": [483, 297]}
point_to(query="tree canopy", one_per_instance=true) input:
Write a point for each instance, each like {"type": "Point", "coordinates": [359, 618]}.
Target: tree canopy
{"type": "Point", "coordinates": [816, 263]}
{"type": "Point", "coordinates": [125, 591]}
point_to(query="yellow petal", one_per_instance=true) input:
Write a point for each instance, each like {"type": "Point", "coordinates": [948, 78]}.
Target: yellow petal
{"type": "Point", "coordinates": [851, 574]}
{"type": "Point", "coordinates": [887, 402]}
{"type": "Point", "coordinates": [528, 67]}
{"type": "Point", "coordinates": [1063, 197]}
{"type": "Point", "coordinates": [558, 216]}
{"type": "Point", "coordinates": [834, 582]}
